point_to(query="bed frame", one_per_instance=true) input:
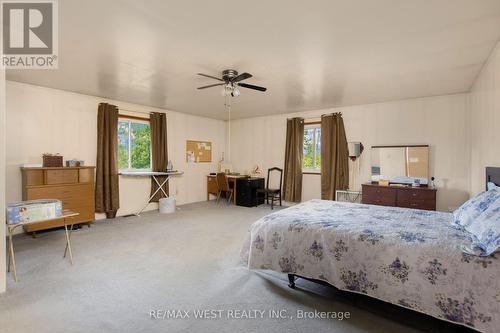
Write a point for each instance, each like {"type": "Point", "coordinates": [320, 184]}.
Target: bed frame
{"type": "Point", "coordinates": [492, 175]}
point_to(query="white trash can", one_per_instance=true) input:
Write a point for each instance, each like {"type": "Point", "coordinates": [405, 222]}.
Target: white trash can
{"type": "Point", "coordinates": [167, 205]}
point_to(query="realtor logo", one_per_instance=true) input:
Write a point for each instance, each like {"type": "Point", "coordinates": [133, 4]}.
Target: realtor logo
{"type": "Point", "coordinates": [29, 34]}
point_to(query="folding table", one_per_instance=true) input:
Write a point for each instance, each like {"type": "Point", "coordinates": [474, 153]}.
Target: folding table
{"type": "Point", "coordinates": [67, 216]}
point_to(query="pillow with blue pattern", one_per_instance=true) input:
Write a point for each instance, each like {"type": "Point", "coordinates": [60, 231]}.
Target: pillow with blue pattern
{"type": "Point", "coordinates": [466, 214]}
{"type": "Point", "coordinates": [486, 230]}
{"type": "Point", "coordinates": [493, 186]}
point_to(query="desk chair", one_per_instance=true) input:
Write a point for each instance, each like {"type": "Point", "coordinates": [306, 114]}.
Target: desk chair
{"type": "Point", "coordinates": [272, 193]}
{"type": "Point", "coordinates": [223, 186]}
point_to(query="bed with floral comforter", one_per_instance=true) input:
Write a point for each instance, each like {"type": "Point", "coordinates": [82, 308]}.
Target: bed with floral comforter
{"type": "Point", "coordinates": [411, 258]}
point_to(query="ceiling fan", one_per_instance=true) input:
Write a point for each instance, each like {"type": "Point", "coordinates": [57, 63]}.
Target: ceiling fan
{"type": "Point", "coordinates": [231, 80]}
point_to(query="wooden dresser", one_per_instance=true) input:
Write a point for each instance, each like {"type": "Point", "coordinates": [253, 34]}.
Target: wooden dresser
{"type": "Point", "coordinates": [422, 197]}
{"type": "Point", "coordinates": [73, 186]}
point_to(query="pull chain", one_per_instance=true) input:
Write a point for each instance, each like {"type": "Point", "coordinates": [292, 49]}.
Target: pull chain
{"type": "Point", "coordinates": [227, 104]}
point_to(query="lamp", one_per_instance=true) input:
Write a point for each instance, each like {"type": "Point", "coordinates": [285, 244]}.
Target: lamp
{"type": "Point", "coordinates": [236, 92]}
{"type": "Point", "coordinates": [230, 90]}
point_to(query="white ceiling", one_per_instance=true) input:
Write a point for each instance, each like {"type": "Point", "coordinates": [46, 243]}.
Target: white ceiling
{"type": "Point", "coordinates": [309, 54]}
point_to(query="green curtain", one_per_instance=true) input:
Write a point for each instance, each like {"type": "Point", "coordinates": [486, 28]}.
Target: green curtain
{"type": "Point", "coordinates": [107, 196]}
{"type": "Point", "coordinates": [334, 156]}
{"type": "Point", "coordinates": [158, 123]}
{"type": "Point", "coordinates": [294, 153]}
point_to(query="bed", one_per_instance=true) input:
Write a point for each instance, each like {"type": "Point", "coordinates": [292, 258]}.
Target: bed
{"type": "Point", "coordinates": [411, 258]}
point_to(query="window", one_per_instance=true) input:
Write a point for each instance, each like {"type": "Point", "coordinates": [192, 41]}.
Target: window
{"type": "Point", "coordinates": [312, 148]}
{"type": "Point", "coordinates": [134, 145]}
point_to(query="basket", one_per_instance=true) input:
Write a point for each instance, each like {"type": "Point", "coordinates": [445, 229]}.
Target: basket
{"type": "Point", "coordinates": [52, 161]}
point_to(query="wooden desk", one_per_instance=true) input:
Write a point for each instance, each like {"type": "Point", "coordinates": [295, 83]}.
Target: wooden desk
{"type": "Point", "coordinates": [68, 217]}
{"type": "Point", "coordinates": [212, 185]}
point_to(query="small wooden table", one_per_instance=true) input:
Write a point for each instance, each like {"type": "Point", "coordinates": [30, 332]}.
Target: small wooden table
{"type": "Point", "coordinates": [68, 218]}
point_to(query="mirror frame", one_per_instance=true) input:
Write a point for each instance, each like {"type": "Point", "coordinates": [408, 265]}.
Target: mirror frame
{"type": "Point", "coordinates": [405, 146]}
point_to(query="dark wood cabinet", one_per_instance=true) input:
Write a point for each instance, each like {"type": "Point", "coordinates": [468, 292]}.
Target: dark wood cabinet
{"type": "Point", "coordinates": [400, 196]}
{"type": "Point", "coordinates": [247, 192]}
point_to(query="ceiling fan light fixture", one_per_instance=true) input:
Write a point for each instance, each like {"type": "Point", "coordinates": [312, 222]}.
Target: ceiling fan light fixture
{"type": "Point", "coordinates": [225, 91]}
{"type": "Point", "coordinates": [230, 80]}
{"type": "Point", "coordinates": [236, 92]}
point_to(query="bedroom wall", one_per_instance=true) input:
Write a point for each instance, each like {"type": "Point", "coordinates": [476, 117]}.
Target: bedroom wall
{"type": "Point", "coordinates": [2, 181]}
{"type": "Point", "coordinates": [439, 121]}
{"type": "Point", "coordinates": [485, 121]}
{"type": "Point", "coordinates": [48, 120]}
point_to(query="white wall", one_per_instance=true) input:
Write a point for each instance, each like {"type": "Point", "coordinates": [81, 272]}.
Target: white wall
{"type": "Point", "coordinates": [2, 180]}
{"type": "Point", "coordinates": [47, 120]}
{"type": "Point", "coordinates": [440, 122]}
{"type": "Point", "coordinates": [485, 121]}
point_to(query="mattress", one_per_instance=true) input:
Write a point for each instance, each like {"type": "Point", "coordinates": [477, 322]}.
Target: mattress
{"type": "Point", "coordinates": [411, 258]}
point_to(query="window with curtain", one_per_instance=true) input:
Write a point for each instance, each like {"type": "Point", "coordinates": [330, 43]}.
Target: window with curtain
{"type": "Point", "coordinates": [312, 148]}
{"type": "Point", "coordinates": [134, 144]}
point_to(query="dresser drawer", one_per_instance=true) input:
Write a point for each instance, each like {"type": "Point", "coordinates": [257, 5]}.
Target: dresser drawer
{"type": "Point", "coordinates": [416, 194]}
{"type": "Point", "coordinates": [84, 192]}
{"type": "Point", "coordinates": [77, 204]}
{"type": "Point", "coordinates": [417, 204]}
{"type": "Point", "coordinates": [33, 178]}
{"type": "Point", "coordinates": [383, 196]}
{"type": "Point", "coordinates": [54, 177]}
{"type": "Point", "coordinates": [417, 199]}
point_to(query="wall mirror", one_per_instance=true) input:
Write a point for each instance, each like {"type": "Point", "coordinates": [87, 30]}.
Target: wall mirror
{"type": "Point", "coordinates": [400, 164]}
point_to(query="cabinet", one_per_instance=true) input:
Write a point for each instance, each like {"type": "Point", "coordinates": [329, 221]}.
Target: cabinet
{"type": "Point", "coordinates": [73, 186]}
{"type": "Point", "coordinates": [212, 187]}
{"type": "Point", "coordinates": [400, 196]}
{"type": "Point", "coordinates": [247, 195]}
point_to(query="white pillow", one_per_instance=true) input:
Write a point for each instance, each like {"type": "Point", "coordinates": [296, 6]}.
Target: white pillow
{"type": "Point", "coordinates": [486, 230]}
{"type": "Point", "coordinates": [492, 186]}
{"type": "Point", "coordinates": [466, 214]}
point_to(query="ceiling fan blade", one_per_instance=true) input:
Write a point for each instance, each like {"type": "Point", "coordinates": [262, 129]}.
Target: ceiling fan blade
{"type": "Point", "coordinates": [251, 86]}
{"type": "Point", "coordinates": [210, 76]}
{"type": "Point", "coordinates": [212, 85]}
{"type": "Point", "coordinates": [241, 77]}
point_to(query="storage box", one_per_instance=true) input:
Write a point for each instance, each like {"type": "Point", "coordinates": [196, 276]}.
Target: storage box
{"type": "Point", "coordinates": [383, 182]}
{"type": "Point", "coordinates": [34, 210]}
{"type": "Point", "coordinates": [52, 161]}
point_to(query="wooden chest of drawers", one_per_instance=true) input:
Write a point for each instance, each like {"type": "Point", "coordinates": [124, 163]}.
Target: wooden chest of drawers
{"type": "Point", "coordinates": [400, 196]}
{"type": "Point", "coordinates": [73, 186]}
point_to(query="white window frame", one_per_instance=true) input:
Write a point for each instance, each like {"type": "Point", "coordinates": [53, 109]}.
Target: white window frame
{"type": "Point", "coordinates": [316, 170]}
{"type": "Point", "coordinates": [130, 122]}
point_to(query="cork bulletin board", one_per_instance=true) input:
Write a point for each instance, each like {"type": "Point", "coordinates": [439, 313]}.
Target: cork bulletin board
{"type": "Point", "coordinates": [198, 151]}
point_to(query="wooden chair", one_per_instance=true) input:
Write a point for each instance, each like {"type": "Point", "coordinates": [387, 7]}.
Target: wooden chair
{"type": "Point", "coordinates": [223, 186]}
{"type": "Point", "coordinates": [272, 193]}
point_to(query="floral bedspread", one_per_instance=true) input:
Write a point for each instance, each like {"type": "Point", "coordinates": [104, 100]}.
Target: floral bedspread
{"type": "Point", "coordinates": [412, 258]}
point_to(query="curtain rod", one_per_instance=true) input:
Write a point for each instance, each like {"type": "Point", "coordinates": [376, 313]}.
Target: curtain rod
{"type": "Point", "coordinates": [316, 117]}
{"type": "Point", "coordinates": [143, 112]}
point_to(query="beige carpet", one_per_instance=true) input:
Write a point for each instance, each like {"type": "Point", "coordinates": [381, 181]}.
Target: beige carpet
{"type": "Point", "coordinates": [127, 267]}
